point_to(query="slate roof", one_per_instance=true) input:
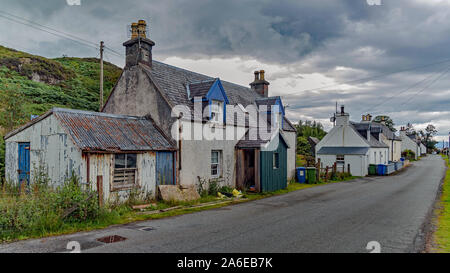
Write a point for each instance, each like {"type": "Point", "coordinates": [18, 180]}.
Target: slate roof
{"type": "Point", "coordinates": [246, 142]}
{"type": "Point", "coordinates": [172, 81]}
{"type": "Point", "coordinates": [376, 128]}
{"type": "Point", "coordinates": [267, 101]}
{"type": "Point", "coordinates": [343, 150]}
{"type": "Point", "coordinates": [373, 142]}
{"type": "Point", "coordinates": [200, 89]}
{"type": "Point", "coordinates": [93, 131]}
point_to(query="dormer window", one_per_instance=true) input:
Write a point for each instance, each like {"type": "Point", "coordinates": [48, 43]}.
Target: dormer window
{"type": "Point", "coordinates": [216, 109]}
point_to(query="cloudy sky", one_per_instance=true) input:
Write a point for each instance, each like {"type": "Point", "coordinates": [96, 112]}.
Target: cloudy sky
{"type": "Point", "coordinates": [391, 59]}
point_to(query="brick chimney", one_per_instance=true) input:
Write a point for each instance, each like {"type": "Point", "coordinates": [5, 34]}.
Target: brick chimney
{"type": "Point", "coordinates": [139, 48]}
{"type": "Point", "coordinates": [260, 85]}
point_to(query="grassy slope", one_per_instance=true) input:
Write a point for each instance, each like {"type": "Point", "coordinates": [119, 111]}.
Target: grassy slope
{"type": "Point", "coordinates": [441, 237]}
{"type": "Point", "coordinates": [75, 85]}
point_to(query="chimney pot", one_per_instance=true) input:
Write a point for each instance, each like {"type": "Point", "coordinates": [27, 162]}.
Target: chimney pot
{"type": "Point", "coordinates": [342, 109]}
{"type": "Point", "coordinates": [256, 76]}
{"type": "Point", "coordinates": [261, 75]}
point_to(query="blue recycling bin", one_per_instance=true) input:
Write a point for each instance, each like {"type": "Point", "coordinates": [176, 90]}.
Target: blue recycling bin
{"type": "Point", "coordinates": [301, 174]}
{"type": "Point", "coordinates": [381, 169]}
{"type": "Point", "coordinates": [402, 159]}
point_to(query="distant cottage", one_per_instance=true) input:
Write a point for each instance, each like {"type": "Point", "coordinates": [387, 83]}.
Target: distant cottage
{"type": "Point", "coordinates": [357, 145]}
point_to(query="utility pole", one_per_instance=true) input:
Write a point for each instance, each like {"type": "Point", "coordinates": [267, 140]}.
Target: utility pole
{"type": "Point", "coordinates": [101, 75]}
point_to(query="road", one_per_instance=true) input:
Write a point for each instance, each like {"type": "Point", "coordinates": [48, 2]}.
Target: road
{"type": "Point", "coordinates": [340, 217]}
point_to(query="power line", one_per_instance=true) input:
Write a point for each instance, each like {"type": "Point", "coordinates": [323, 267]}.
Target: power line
{"type": "Point", "coordinates": [401, 92]}
{"type": "Point", "coordinates": [430, 84]}
{"type": "Point", "coordinates": [362, 80]}
{"type": "Point", "coordinates": [44, 30]}
{"type": "Point", "coordinates": [47, 27]}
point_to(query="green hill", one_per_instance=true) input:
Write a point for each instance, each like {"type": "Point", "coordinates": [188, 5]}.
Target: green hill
{"type": "Point", "coordinates": [31, 85]}
{"type": "Point", "coordinates": [43, 83]}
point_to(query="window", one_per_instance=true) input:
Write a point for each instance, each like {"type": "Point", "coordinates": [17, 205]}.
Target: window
{"type": "Point", "coordinates": [124, 170]}
{"type": "Point", "coordinates": [215, 163]}
{"type": "Point", "coordinates": [276, 160]}
{"type": "Point", "coordinates": [340, 158]}
{"type": "Point", "coordinates": [216, 109]}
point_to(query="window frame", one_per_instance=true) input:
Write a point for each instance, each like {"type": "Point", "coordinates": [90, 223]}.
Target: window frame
{"type": "Point", "coordinates": [276, 160]}
{"type": "Point", "coordinates": [126, 173]}
{"type": "Point", "coordinates": [216, 164]}
{"type": "Point", "coordinates": [216, 110]}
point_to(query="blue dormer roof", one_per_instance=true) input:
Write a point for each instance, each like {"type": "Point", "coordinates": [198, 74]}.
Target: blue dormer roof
{"type": "Point", "coordinates": [208, 90]}
{"type": "Point", "coordinates": [269, 102]}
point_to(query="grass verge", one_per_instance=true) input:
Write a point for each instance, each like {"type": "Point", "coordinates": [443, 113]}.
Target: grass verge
{"type": "Point", "coordinates": [441, 236]}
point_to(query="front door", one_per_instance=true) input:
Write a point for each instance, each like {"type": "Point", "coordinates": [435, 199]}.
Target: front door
{"type": "Point", "coordinates": [165, 172]}
{"type": "Point", "coordinates": [24, 163]}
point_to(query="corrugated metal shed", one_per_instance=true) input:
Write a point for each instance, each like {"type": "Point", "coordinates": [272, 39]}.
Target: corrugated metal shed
{"type": "Point", "coordinates": [93, 131]}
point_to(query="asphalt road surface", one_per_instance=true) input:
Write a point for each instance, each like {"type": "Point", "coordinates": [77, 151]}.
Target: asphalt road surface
{"type": "Point", "coordinates": [340, 217]}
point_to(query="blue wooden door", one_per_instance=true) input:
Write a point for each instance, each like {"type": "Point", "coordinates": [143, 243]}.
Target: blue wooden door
{"type": "Point", "coordinates": [165, 168]}
{"type": "Point", "coordinates": [24, 163]}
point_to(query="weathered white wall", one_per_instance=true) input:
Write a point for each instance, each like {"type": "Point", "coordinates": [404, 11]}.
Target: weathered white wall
{"type": "Point", "coordinates": [291, 138]}
{"type": "Point", "coordinates": [50, 148]}
{"type": "Point", "coordinates": [103, 165]}
{"type": "Point", "coordinates": [409, 144]}
{"type": "Point", "coordinates": [394, 148]}
{"type": "Point", "coordinates": [378, 155]}
{"type": "Point", "coordinates": [196, 158]}
{"type": "Point", "coordinates": [358, 163]}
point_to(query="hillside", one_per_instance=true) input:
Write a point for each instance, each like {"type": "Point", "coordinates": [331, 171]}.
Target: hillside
{"type": "Point", "coordinates": [31, 85]}
{"type": "Point", "coordinates": [43, 83]}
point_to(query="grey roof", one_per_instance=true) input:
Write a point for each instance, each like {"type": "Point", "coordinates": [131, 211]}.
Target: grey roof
{"type": "Point", "coordinates": [246, 142]}
{"type": "Point", "coordinates": [200, 89]}
{"type": "Point", "coordinates": [343, 150]}
{"type": "Point", "coordinates": [376, 127]}
{"type": "Point", "coordinates": [93, 131]}
{"type": "Point", "coordinates": [269, 101]}
{"type": "Point", "coordinates": [373, 142]}
{"type": "Point", "coordinates": [172, 81]}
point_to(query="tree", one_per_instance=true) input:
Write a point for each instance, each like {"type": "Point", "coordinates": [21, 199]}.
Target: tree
{"type": "Point", "coordinates": [387, 120]}
{"type": "Point", "coordinates": [410, 131]}
{"type": "Point", "coordinates": [427, 136]}
{"type": "Point", "coordinates": [307, 129]}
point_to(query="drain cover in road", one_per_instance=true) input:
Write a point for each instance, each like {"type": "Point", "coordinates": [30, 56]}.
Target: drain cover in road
{"type": "Point", "coordinates": [111, 239]}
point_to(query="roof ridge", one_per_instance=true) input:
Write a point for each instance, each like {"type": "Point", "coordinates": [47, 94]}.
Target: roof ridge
{"type": "Point", "coordinates": [92, 113]}
{"type": "Point", "coordinates": [203, 75]}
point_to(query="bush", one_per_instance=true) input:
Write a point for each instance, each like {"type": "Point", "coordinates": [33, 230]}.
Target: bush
{"type": "Point", "coordinates": [409, 155]}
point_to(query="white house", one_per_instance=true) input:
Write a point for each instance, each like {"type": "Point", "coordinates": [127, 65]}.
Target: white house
{"type": "Point", "coordinates": [409, 143]}
{"type": "Point", "coordinates": [423, 149]}
{"type": "Point", "coordinates": [111, 153]}
{"type": "Point", "coordinates": [383, 134]}
{"type": "Point", "coordinates": [345, 145]}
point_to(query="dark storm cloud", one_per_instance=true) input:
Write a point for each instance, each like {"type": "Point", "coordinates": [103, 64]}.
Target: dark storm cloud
{"type": "Point", "coordinates": [304, 37]}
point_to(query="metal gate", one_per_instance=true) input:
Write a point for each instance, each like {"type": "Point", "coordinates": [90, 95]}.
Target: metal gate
{"type": "Point", "coordinates": [165, 171]}
{"type": "Point", "coordinates": [24, 163]}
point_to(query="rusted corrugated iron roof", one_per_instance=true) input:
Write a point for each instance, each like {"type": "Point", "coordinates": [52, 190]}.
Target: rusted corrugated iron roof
{"type": "Point", "coordinates": [97, 132]}
{"type": "Point", "coordinates": [93, 131]}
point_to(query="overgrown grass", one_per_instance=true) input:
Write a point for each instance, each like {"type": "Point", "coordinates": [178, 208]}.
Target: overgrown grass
{"type": "Point", "coordinates": [441, 237]}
